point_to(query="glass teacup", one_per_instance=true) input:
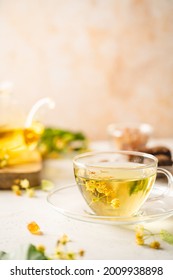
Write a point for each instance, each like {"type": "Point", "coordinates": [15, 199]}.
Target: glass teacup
{"type": "Point", "coordinates": [117, 183]}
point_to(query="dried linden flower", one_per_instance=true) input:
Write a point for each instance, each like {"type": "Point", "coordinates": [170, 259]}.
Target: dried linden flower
{"type": "Point", "coordinates": [139, 235]}
{"type": "Point", "coordinates": [70, 256]}
{"type": "Point", "coordinates": [22, 186]}
{"type": "Point", "coordinates": [16, 190]}
{"type": "Point", "coordinates": [81, 253]}
{"type": "Point", "coordinates": [34, 228]}
{"type": "Point", "coordinates": [41, 248]}
{"type": "Point", "coordinates": [59, 254]}
{"type": "Point", "coordinates": [140, 240]}
{"type": "Point", "coordinates": [142, 234]}
{"type": "Point", "coordinates": [115, 203]}
{"type": "Point", "coordinates": [24, 183]}
{"type": "Point", "coordinates": [64, 240]}
{"type": "Point", "coordinates": [155, 245]}
{"type": "Point", "coordinates": [30, 192]}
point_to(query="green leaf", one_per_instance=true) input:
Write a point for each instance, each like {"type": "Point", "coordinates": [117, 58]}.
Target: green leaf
{"type": "Point", "coordinates": [28, 252]}
{"type": "Point", "coordinates": [46, 185]}
{"type": "Point", "coordinates": [139, 185]}
{"type": "Point", "coordinates": [4, 256]}
{"type": "Point", "coordinates": [34, 254]}
{"type": "Point", "coordinates": [18, 254]}
{"type": "Point", "coordinates": [133, 187]}
{"type": "Point", "coordinates": [55, 142]}
{"type": "Point", "coordinates": [166, 236]}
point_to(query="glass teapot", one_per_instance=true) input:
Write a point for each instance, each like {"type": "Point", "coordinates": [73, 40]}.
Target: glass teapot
{"type": "Point", "coordinates": [19, 133]}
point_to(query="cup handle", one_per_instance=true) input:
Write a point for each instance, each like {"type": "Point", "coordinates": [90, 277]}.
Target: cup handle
{"type": "Point", "coordinates": [169, 184]}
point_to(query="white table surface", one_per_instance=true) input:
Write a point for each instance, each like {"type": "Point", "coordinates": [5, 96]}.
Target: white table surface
{"type": "Point", "coordinates": [100, 242]}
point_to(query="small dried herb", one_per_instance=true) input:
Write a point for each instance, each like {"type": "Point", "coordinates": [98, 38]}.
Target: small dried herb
{"type": "Point", "coordinates": [143, 234]}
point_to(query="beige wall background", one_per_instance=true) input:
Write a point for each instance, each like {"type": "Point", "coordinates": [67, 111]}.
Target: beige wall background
{"type": "Point", "coordinates": [102, 61]}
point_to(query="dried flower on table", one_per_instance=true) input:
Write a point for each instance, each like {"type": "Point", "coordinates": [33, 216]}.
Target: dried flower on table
{"type": "Point", "coordinates": [62, 252]}
{"type": "Point", "coordinates": [63, 240]}
{"type": "Point", "coordinates": [16, 189]}
{"type": "Point", "coordinates": [24, 183]}
{"type": "Point", "coordinates": [46, 185]}
{"type": "Point", "coordinates": [32, 252]}
{"type": "Point", "coordinates": [34, 228]}
{"type": "Point", "coordinates": [30, 192]}
{"type": "Point", "coordinates": [22, 186]}
{"type": "Point", "coordinates": [142, 234]}
{"type": "Point", "coordinates": [155, 245]}
{"type": "Point", "coordinates": [41, 248]}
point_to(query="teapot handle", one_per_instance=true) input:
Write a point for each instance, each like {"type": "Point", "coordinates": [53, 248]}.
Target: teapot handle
{"type": "Point", "coordinates": [36, 107]}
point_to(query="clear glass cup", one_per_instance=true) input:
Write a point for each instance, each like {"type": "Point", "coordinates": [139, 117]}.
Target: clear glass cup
{"type": "Point", "coordinates": [117, 183]}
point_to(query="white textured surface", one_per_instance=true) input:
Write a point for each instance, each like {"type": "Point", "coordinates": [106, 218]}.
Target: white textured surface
{"type": "Point", "coordinates": [99, 241]}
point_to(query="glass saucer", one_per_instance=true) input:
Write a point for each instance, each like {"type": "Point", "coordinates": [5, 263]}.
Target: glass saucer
{"type": "Point", "coordinates": [68, 201]}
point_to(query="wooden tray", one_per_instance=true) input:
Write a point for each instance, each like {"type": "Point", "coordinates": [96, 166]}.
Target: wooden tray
{"type": "Point", "coordinates": [31, 171]}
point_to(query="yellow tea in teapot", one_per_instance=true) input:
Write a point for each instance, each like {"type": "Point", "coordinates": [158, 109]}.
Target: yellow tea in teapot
{"type": "Point", "coordinates": [115, 192]}
{"type": "Point", "coordinates": [17, 145]}
{"type": "Point", "coordinates": [17, 137]}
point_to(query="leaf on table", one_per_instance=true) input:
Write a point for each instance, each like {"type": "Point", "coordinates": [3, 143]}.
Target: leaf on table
{"type": "Point", "coordinates": [34, 254]}
{"type": "Point", "coordinates": [17, 254]}
{"type": "Point", "coordinates": [4, 255]}
{"type": "Point", "coordinates": [166, 236]}
{"type": "Point", "coordinates": [28, 252]}
{"type": "Point", "coordinates": [46, 185]}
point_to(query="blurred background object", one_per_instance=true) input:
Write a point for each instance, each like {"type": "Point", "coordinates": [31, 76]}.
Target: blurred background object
{"type": "Point", "coordinates": [20, 131]}
{"type": "Point", "coordinates": [59, 143]}
{"type": "Point", "coordinates": [130, 136]}
{"type": "Point", "coordinates": [137, 137]}
{"type": "Point", "coordinates": [101, 61]}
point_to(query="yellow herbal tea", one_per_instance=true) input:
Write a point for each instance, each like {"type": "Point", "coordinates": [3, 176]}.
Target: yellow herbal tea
{"type": "Point", "coordinates": [17, 145]}
{"type": "Point", "coordinates": [115, 192]}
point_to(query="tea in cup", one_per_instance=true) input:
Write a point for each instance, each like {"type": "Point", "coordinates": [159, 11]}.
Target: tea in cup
{"type": "Point", "coordinates": [117, 183]}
